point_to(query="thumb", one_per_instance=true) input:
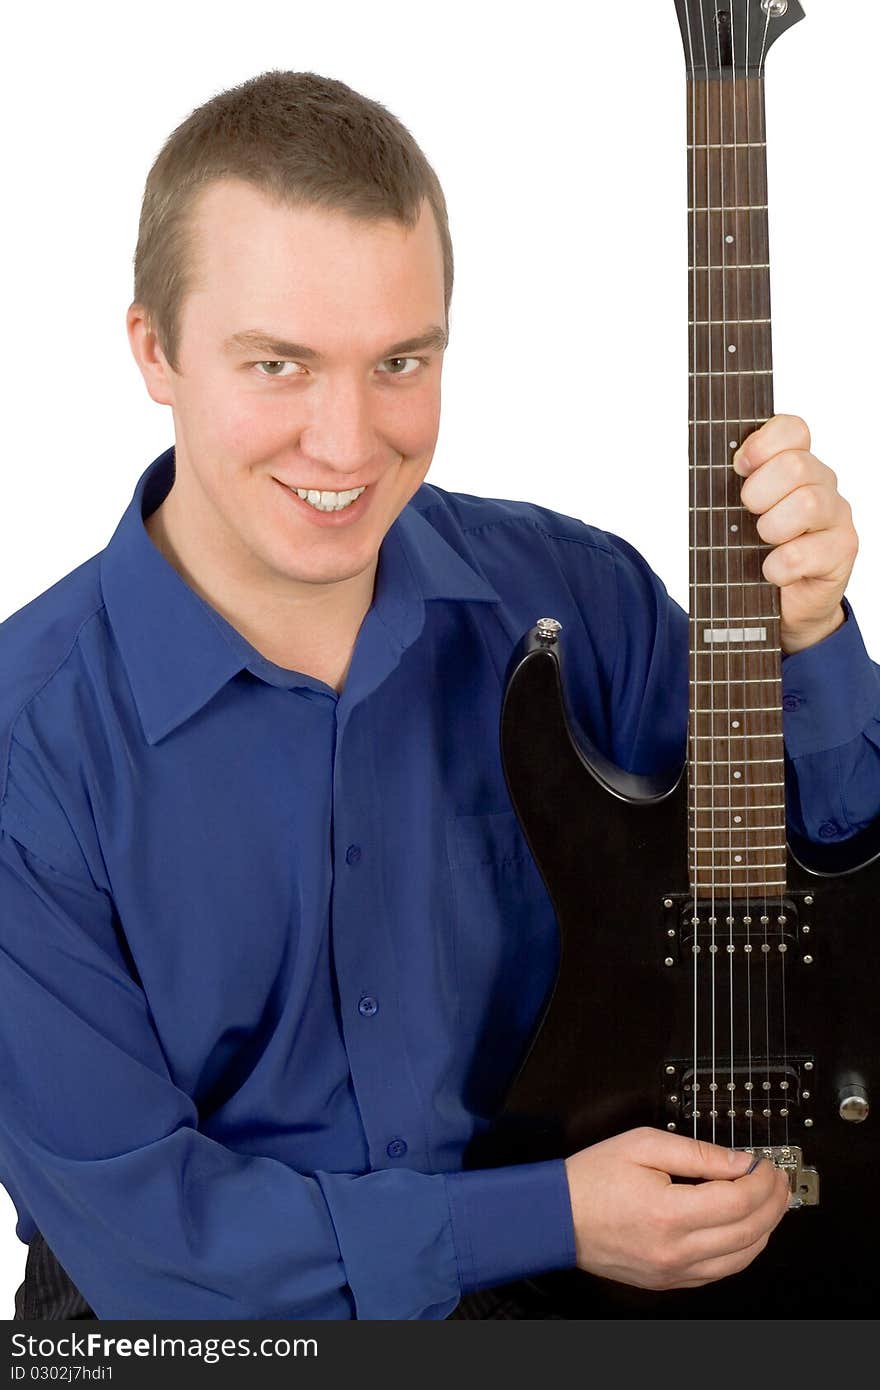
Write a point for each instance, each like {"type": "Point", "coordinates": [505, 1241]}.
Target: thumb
{"type": "Point", "coordinates": [692, 1158]}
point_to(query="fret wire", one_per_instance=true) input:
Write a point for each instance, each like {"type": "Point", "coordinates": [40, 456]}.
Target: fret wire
{"type": "Point", "coordinates": [738, 680]}
{"type": "Point", "coordinates": [742, 207]}
{"type": "Point", "coordinates": [765, 806]}
{"type": "Point", "coordinates": [706, 322]}
{"type": "Point", "coordinates": [738, 371]}
{"type": "Point", "coordinates": [737, 709]}
{"type": "Point", "coordinates": [750, 868]}
{"type": "Point", "coordinates": [733, 830]}
{"type": "Point", "coordinates": [756, 888]}
{"type": "Point", "coordinates": [777, 733]}
{"type": "Point", "coordinates": [730, 787]}
{"type": "Point", "coordinates": [740, 145]}
{"type": "Point", "coordinates": [716, 762]}
{"type": "Point", "coordinates": [756, 265]}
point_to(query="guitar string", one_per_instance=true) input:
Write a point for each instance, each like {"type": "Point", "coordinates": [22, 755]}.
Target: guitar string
{"type": "Point", "coordinates": [750, 260]}
{"type": "Point", "coordinates": [765, 912]}
{"type": "Point", "coordinates": [782, 951]}
{"type": "Point", "coordinates": [737, 259]}
{"type": "Point", "coordinates": [713, 799]}
{"type": "Point", "coordinates": [712, 1084]}
{"type": "Point", "coordinates": [694, 789]}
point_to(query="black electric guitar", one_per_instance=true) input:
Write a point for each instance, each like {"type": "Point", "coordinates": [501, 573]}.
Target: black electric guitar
{"type": "Point", "coordinates": [717, 977]}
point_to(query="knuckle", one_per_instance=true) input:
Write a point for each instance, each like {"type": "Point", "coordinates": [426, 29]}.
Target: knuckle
{"type": "Point", "coordinates": [813, 501]}
{"type": "Point", "coordinates": [803, 427]}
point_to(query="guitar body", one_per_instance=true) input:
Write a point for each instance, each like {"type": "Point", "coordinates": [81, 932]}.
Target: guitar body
{"type": "Point", "coordinates": [611, 848]}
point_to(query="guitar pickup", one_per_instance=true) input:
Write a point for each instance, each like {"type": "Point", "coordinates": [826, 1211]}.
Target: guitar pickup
{"type": "Point", "coordinates": [748, 1094]}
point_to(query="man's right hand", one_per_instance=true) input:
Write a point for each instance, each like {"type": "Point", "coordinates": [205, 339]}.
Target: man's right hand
{"type": "Point", "coordinates": [634, 1224]}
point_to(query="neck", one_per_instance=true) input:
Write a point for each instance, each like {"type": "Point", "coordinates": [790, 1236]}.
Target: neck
{"type": "Point", "coordinates": [735, 744]}
{"type": "Point", "coordinates": [307, 628]}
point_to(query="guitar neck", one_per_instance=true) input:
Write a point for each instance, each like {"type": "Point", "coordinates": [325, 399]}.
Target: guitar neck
{"type": "Point", "coordinates": [735, 729]}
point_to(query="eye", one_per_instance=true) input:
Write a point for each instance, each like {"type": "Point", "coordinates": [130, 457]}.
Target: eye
{"type": "Point", "coordinates": [273, 364]}
{"type": "Point", "coordinates": [419, 361]}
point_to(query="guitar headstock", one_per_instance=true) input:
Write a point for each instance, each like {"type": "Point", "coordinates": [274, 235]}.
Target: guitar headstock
{"type": "Point", "coordinates": [730, 38]}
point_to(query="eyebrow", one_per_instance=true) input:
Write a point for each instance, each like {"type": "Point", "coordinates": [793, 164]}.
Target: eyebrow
{"type": "Point", "coordinates": [258, 340]}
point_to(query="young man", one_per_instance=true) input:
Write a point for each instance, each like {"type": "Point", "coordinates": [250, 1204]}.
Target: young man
{"type": "Point", "coordinates": [261, 884]}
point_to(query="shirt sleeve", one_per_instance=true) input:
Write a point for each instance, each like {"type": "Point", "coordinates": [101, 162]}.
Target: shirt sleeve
{"type": "Point", "coordinates": [831, 705]}
{"type": "Point", "coordinates": [152, 1218]}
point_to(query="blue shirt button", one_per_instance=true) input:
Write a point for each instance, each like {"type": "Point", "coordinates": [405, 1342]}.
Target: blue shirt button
{"type": "Point", "coordinates": [791, 702]}
{"type": "Point", "coordinates": [352, 854]}
{"type": "Point", "coordinates": [828, 830]}
{"type": "Point", "coordinates": [397, 1148]}
{"type": "Point", "coordinates": [368, 1006]}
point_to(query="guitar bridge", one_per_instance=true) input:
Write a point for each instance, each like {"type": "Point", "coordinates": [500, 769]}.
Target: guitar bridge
{"type": "Point", "coordinates": [803, 1181]}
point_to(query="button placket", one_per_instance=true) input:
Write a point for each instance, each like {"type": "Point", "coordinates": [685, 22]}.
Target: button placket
{"type": "Point", "coordinates": [364, 959]}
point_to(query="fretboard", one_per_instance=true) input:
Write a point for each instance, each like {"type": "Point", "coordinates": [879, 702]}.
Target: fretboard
{"type": "Point", "coordinates": [735, 748]}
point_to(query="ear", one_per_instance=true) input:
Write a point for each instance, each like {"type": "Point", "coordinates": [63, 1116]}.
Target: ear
{"type": "Point", "coordinates": [148, 354]}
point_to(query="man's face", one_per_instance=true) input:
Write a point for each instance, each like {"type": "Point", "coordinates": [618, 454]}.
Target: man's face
{"type": "Point", "coordinates": [252, 422]}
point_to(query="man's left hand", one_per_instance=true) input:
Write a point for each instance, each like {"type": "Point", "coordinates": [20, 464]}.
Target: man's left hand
{"type": "Point", "coordinates": [800, 513]}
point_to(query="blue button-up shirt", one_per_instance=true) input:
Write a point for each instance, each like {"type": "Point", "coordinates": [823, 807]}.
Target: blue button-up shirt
{"type": "Point", "coordinates": [267, 951]}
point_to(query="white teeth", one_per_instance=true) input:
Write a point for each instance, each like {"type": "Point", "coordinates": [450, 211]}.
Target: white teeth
{"type": "Point", "coordinates": [329, 501]}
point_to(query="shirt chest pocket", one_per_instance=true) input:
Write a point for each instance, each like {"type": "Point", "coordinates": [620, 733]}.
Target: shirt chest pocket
{"type": "Point", "coordinates": [505, 943]}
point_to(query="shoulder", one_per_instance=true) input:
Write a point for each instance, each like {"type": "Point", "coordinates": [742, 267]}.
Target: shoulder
{"type": "Point", "coordinates": [491, 532]}
{"type": "Point", "coordinates": [467, 515]}
{"type": "Point", "coordinates": [513, 542]}
{"type": "Point", "coordinates": [45, 676]}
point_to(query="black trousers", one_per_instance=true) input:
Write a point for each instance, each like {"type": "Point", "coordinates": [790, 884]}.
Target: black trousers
{"type": "Point", "coordinates": [48, 1292]}
{"type": "Point", "coordinates": [522, 1299]}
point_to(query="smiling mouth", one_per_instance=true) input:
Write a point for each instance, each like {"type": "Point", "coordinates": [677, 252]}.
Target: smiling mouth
{"type": "Point", "coordinates": [324, 500]}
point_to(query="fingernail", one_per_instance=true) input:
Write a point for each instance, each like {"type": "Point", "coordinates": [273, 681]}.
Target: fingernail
{"type": "Point", "coordinates": [735, 1158]}
{"type": "Point", "coordinates": [753, 1165]}
{"type": "Point", "coordinates": [738, 460]}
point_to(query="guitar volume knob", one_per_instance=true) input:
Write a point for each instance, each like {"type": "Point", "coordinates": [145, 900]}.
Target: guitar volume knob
{"type": "Point", "coordinates": [853, 1104]}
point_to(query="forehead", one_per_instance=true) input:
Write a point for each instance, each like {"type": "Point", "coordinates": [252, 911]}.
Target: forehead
{"type": "Point", "coordinates": [246, 242]}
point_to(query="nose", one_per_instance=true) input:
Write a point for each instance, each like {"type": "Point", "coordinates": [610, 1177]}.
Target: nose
{"type": "Point", "coordinates": [340, 434]}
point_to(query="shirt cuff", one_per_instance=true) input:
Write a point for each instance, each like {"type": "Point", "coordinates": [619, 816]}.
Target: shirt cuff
{"type": "Point", "coordinates": [512, 1222]}
{"type": "Point", "coordinates": [830, 691]}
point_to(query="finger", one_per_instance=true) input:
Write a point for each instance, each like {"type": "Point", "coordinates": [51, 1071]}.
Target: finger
{"type": "Point", "coordinates": [712, 1204]}
{"type": "Point", "coordinates": [782, 475]}
{"type": "Point", "coordinates": [810, 507]}
{"type": "Point", "coordinates": [715, 1241]}
{"type": "Point", "coordinates": [780, 432]}
{"type": "Point", "coordinates": [686, 1158]}
{"type": "Point", "coordinates": [707, 1271]}
{"type": "Point", "coordinates": [821, 555]}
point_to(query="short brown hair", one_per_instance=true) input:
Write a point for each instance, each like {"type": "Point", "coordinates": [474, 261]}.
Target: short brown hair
{"type": "Point", "coordinates": [302, 139]}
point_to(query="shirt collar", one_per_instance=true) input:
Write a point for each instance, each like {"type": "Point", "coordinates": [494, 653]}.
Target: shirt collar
{"type": "Point", "coordinates": [178, 651]}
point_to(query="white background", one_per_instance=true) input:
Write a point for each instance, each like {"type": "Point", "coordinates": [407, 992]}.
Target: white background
{"type": "Point", "coordinates": [558, 133]}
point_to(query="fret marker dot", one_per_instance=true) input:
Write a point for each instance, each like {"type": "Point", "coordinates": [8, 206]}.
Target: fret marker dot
{"type": "Point", "coordinates": [734, 527]}
{"type": "Point", "coordinates": [737, 774]}
{"type": "Point", "coordinates": [737, 819]}
{"type": "Point", "coordinates": [728, 238]}
{"type": "Point", "coordinates": [731, 347]}
{"type": "Point", "coordinates": [737, 859]}
{"type": "Point", "coordinates": [733, 444]}
{"type": "Point", "coordinates": [735, 724]}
